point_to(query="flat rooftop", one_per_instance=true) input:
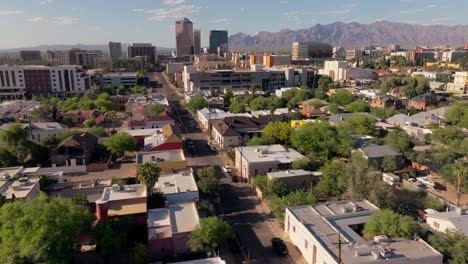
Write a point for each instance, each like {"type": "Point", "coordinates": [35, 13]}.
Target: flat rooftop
{"type": "Point", "coordinates": [116, 192]}
{"type": "Point", "coordinates": [160, 156]}
{"type": "Point", "coordinates": [216, 260]}
{"type": "Point", "coordinates": [21, 188]}
{"type": "Point", "coordinates": [179, 182]}
{"type": "Point", "coordinates": [121, 74]}
{"type": "Point", "coordinates": [142, 132]}
{"type": "Point", "coordinates": [269, 153]}
{"type": "Point", "coordinates": [293, 173]}
{"type": "Point", "coordinates": [184, 217]}
{"type": "Point", "coordinates": [325, 221]}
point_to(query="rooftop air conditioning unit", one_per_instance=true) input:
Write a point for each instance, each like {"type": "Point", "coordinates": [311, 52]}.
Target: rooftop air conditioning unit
{"type": "Point", "coordinates": [386, 252]}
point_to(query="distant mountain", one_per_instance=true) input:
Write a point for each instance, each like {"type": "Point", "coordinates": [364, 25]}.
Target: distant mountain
{"type": "Point", "coordinates": [103, 47]}
{"type": "Point", "coordinates": [355, 35]}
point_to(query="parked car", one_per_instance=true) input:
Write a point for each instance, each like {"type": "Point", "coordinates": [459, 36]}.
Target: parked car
{"type": "Point", "coordinates": [234, 178]}
{"type": "Point", "coordinates": [426, 181]}
{"type": "Point", "coordinates": [279, 246]}
{"type": "Point", "coordinates": [227, 169]}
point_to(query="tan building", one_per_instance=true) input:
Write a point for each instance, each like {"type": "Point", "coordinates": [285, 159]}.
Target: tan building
{"type": "Point", "coordinates": [145, 50]}
{"type": "Point", "coordinates": [311, 50]}
{"type": "Point", "coordinates": [184, 37]}
{"type": "Point", "coordinates": [30, 55]}
{"type": "Point", "coordinates": [460, 83]}
{"type": "Point", "coordinates": [276, 60]}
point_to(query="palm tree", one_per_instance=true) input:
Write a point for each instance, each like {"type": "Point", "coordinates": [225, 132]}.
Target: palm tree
{"type": "Point", "coordinates": [112, 115]}
{"type": "Point", "coordinates": [148, 174]}
{"type": "Point", "coordinates": [460, 169]}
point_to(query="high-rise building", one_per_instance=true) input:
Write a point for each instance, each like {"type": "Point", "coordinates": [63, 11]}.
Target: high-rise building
{"type": "Point", "coordinates": [311, 50]}
{"type": "Point", "coordinates": [30, 55]}
{"type": "Point", "coordinates": [142, 50]}
{"type": "Point", "coordinates": [218, 39]}
{"type": "Point", "coordinates": [59, 56]}
{"type": "Point", "coordinates": [184, 37]}
{"type": "Point", "coordinates": [196, 42]}
{"type": "Point", "coordinates": [115, 50]}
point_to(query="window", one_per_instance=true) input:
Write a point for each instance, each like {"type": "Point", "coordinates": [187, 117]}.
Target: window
{"type": "Point", "coordinates": [294, 229]}
{"type": "Point", "coordinates": [306, 244]}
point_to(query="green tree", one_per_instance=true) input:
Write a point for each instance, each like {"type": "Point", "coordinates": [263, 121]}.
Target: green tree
{"type": "Point", "coordinates": [90, 123]}
{"type": "Point", "coordinates": [104, 103]}
{"type": "Point", "coordinates": [140, 254]}
{"type": "Point", "coordinates": [155, 109]}
{"type": "Point", "coordinates": [148, 174]}
{"type": "Point", "coordinates": [359, 124]}
{"type": "Point", "coordinates": [389, 164]}
{"type": "Point", "coordinates": [358, 107]}
{"type": "Point", "coordinates": [261, 141]}
{"type": "Point", "coordinates": [109, 240]}
{"type": "Point", "coordinates": [400, 140]}
{"type": "Point", "coordinates": [14, 135]}
{"type": "Point", "coordinates": [196, 103]}
{"type": "Point", "coordinates": [209, 234]}
{"type": "Point", "coordinates": [208, 181]}
{"type": "Point", "coordinates": [43, 113]}
{"type": "Point", "coordinates": [99, 132]}
{"type": "Point", "coordinates": [280, 131]}
{"type": "Point", "coordinates": [393, 225]}
{"type": "Point", "coordinates": [56, 222]}
{"type": "Point", "coordinates": [342, 97]}
{"type": "Point", "coordinates": [7, 158]}
{"type": "Point", "coordinates": [121, 142]}
{"type": "Point", "coordinates": [452, 244]}
{"type": "Point", "coordinates": [295, 198]}
{"type": "Point", "coordinates": [457, 114]}
{"type": "Point", "coordinates": [237, 106]}
{"type": "Point", "coordinates": [447, 135]}
{"type": "Point", "coordinates": [457, 174]}
{"type": "Point", "coordinates": [334, 181]}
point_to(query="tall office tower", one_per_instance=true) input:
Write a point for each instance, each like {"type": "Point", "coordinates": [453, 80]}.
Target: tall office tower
{"type": "Point", "coordinates": [184, 37]}
{"type": "Point", "coordinates": [144, 50]}
{"type": "Point", "coordinates": [218, 39]}
{"type": "Point", "coordinates": [310, 50]}
{"type": "Point", "coordinates": [59, 56]}
{"type": "Point", "coordinates": [30, 55]}
{"type": "Point", "coordinates": [196, 42]}
{"type": "Point", "coordinates": [115, 50]}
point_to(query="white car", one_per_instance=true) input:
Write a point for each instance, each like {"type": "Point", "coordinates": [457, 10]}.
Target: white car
{"type": "Point", "coordinates": [426, 181]}
{"type": "Point", "coordinates": [227, 169]}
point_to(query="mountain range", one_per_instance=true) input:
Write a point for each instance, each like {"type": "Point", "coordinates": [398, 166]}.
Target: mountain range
{"type": "Point", "coordinates": [355, 35]}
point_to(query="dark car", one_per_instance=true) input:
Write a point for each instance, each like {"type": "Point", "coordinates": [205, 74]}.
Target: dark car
{"type": "Point", "coordinates": [234, 179]}
{"type": "Point", "coordinates": [279, 246]}
{"type": "Point", "coordinates": [234, 243]}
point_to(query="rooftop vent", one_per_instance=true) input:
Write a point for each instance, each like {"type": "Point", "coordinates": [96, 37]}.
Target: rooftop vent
{"type": "Point", "coordinates": [380, 239]}
{"type": "Point", "coordinates": [386, 252]}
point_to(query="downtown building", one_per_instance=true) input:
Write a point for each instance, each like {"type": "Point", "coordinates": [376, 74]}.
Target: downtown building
{"type": "Point", "coordinates": [311, 50]}
{"type": "Point", "coordinates": [87, 58]}
{"type": "Point", "coordinates": [196, 42]}
{"type": "Point", "coordinates": [20, 80]}
{"type": "Point", "coordinates": [115, 50]}
{"type": "Point", "coordinates": [184, 37]}
{"type": "Point", "coordinates": [218, 42]}
{"type": "Point", "coordinates": [145, 50]}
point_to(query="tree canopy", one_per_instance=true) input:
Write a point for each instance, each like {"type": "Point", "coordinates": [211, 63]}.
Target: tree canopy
{"type": "Point", "coordinates": [209, 234]}
{"type": "Point", "coordinates": [280, 131]}
{"type": "Point", "coordinates": [452, 244]}
{"type": "Point", "coordinates": [208, 181]}
{"type": "Point", "coordinates": [358, 107]}
{"type": "Point", "coordinates": [121, 142]}
{"type": "Point", "coordinates": [148, 174]}
{"type": "Point", "coordinates": [40, 230]}
{"type": "Point", "coordinates": [196, 103]}
{"type": "Point", "coordinates": [386, 222]}
{"type": "Point", "coordinates": [457, 114]}
{"type": "Point", "coordinates": [342, 97]}
{"type": "Point", "coordinates": [155, 109]}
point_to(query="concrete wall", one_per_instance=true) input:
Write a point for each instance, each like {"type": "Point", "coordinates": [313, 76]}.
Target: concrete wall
{"type": "Point", "coordinates": [182, 197]}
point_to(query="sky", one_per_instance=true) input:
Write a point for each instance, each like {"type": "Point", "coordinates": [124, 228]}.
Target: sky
{"type": "Point", "coordinates": [26, 23]}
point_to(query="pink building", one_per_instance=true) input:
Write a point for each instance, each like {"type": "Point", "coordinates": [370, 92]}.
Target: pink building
{"type": "Point", "coordinates": [169, 229]}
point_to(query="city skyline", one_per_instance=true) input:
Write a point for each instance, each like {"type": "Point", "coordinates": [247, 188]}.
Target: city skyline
{"type": "Point", "coordinates": [66, 22]}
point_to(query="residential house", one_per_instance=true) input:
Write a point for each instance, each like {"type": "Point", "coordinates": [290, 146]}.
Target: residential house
{"type": "Point", "coordinates": [165, 138]}
{"type": "Point", "coordinates": [317, 231]}
{"type": "Point", "coordinates": [167, 160]}
{"type": "Point", "coordinates": [398, 92]}
{"type": "Point", "coordinates": [17, 110]}
{"type": "Point", "coordinates": [376, 154]}
{"type": "Point", "coordinates": [443, 221]}
{"type": "Point", "coordinates": [164, 118]}
{"type": "Point", "coordinates": [140, 134]}
{"type": "Point", "coordinates": [257, 160]}
{"type": "Point", "coordinates": [75, 150]}
{"type": "Point", "coordinates": [387, 102]}
{"type": "Point", "coordinates": [341, 118]}
{"type": "Point", "coordinates": [178, 187]}
{"type": "Point", "coordinates": [40, 131]}
{"type": "Point", "coordinates": [124, 200]}
{"type": "Point", "coordinates": [119, 102]}
{"type": "Point", "coordinates": [280, 114]}
{"type": "Point", "coordinates": [169, 229]}
{"type": "Point", "coordinates": [421, 102]}
{"type": "Point", "coordinates": [22, 188]}
{"type": "Point", "coordinates": [310, 111]}
{"type": "Point", "coordinates": [295, 179]}
{"type": "Point", "coordinates": [78, 117]}
{"type": "Point", "coordinates": [207, 115]}
{"type": "Point", "coordinates": [233, 131]}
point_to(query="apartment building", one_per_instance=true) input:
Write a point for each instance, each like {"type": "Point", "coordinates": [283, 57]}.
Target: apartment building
{"type": "Point", "coordinates": [311, 50]}
{"type": "Point", "coordinates": [276, 60]}
{"type": "Point", "coordinates": [16, 80]}
{"type": "Point", "coordinates": [116, 79]}
{"type": "Point", "coordinates": [142, 50]}
{"type": "Point", "coordinates": [460, 83]}
{"type": "Point", "coordinates": [59, 56]}
{"type": "Point", "coordinates": [30, 55]}
{"type": "Point", "coordinates": [330, 233]}
{"type": "Point", "coordinates": [115, 50]}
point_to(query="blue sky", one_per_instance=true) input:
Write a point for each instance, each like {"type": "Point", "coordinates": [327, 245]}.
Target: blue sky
{"type": "Point", "coordinates": [34, 22]}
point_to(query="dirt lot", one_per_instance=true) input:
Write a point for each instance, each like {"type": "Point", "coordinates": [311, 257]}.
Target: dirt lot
{"type": "Point", "coordinates": [120, 171]}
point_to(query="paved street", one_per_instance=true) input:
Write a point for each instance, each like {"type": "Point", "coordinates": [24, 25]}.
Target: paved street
{"type": "Point", "coordinates": [241, 207]}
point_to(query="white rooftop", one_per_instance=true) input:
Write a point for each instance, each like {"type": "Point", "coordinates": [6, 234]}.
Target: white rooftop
{"type": "Point", "coordinates": [116, 192]}
{"type": "Point", "coordinates": [182, 181]}
{"type": "Point", "coordinates": [141, 132]}
{"type": "Point", "coordinates": [325, 221]}
{"type": "Point", "coordinates": [21, 187]}
{"type": "Point", "coordinates": [215, 113]}
{"type": "Point", "coordinates": [278, 111]}
{"type": "Point", "coordinates": [460, 221]}
{"type": "Point", "coordinates": [293, 173]}
{"type": "Point", "coordinates": [181, 218]}
{"type": "Point", "coordinates": [216, 260]}
{"type": "Point", "coordinates": [160, 156]}
{"type": "Point", "coordinates": [269, 153]}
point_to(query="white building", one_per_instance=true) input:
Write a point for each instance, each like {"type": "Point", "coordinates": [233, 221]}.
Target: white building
{"type": "Point", "coordinates": [281, 91]}
{"type": "Point", "coordinates": [443, 221]}
{"type": "Point", "coordinates": [432, 75]}
{"type": "Point", "coordinates": [259, 160]}
{"type": "Point", "coordinates": [206, 115]}
{"type": "Point", "coordinates": [116, 79]}
{"type": "Point", "coordinates": [22, 188]}
{"type": "Point", "coordinates": [317, 229]}
{"type": "Point", "coordinates": [40, 131]}
{"type": "Point", "coordinates": [340, 71]}
{"type": "Point", "coordinates": [178, 187]}
{"type": "Point", "coordinates": [460, 83]}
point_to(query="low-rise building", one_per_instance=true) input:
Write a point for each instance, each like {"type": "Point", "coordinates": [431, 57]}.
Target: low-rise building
{"type": "Point", "coordinates": [259, 160]}
{"type": "Point", "coordinates": [79, 117]}
{"type": "Point", "coordinates": [169, 229]}
{"type": "Point", "coordinates": [125, 200]}
{"type": "Point", "coordinates": [116, 79]}
{"type": "Point", "coordinates": [168, 160]}
{"type": "Point", "coordinates": [376, 154]}
{"type": "Point", "coordinates": [165, 138]}
{"type": "Point", "coordinates": [460, 83]}
{"type": "Point", "coordinates": [387, 102]}
{"type": "Point", "coordinates": [178, 187]}
{"type": "Point", "coordinates": [159, 121]}
{"type": "Point", "coordinates": [224, 132]}
{"type": "Point", "coordinates": [208, 115]}
{"type": "Point", "coordinates": [140, 134]}
{"type": "Point", "coordinates": [21, 188]}
{"type": "Point", "coordinates": [444, 221]}
{"type": "Point", "coordinates": [40, 131]}
{"type": "Point", "coordinates": [216, 260]}
{"type": "Point", "coordinates": [280, 114]}
{"type": "Point", "coordinates": [327, 231]}
{"type": "Point", "coordinates": [421, 102]}
{"type": "Point", "coordinates": [432, 74]}
{"type": "Point", "coordinates": [76, 150]}
{"type": "Point", "coordinates": [295, 179]}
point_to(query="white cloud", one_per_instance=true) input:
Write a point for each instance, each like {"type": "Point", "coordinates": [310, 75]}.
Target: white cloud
{"type": "Point", "coordinates": [55, 20]}
{"type": "Point", "coordinates": [221, 21]}
{"type": "Point", "coordinates": [162, 14]}
{"type": "Point", "coordinates": [10, 12]}
{"type": "Point", "coordinates": [298, 16]}
{"type": "Point", "coordinates": [173, 2]}
{"type": "Point", "coordinates": [417, 10]}
{"type": "Point", "coordinates": [46, 2]}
